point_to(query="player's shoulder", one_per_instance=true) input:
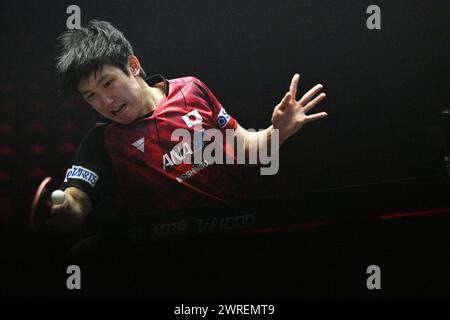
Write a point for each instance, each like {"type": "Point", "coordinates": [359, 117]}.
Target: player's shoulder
{"type": "Point", "coordinates": [95, 134]}
{"type": "Point", "coordinates": [192, 85]}
{"type": "Point", "coordinates": [99, 127]}
{"type": "Point", "coordinates": [187, 80]}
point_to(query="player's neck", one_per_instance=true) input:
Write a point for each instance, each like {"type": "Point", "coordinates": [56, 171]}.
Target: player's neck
{"type": "Point", "coordinates": [151, 96]}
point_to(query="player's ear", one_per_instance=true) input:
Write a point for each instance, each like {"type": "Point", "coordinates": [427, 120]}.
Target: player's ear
{"type": "Point", "coordinates": [134, 65]}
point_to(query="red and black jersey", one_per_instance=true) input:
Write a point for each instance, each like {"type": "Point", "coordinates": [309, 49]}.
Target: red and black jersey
{"type": "Point", "coordinates": [146, 168]}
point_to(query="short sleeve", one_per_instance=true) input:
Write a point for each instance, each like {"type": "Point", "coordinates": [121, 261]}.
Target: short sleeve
{"type": "Point", "coordinates": [91, 169]}
{"type": "Point", "coordinates": [223, 119]}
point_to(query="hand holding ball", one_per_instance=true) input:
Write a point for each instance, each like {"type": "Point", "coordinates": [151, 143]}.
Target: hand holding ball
{"type": "Point", "coordinates": [58, 197]}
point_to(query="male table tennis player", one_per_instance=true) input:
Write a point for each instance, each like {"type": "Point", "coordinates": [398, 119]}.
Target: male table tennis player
{"type": "Point", "coordinates": [128, 158]}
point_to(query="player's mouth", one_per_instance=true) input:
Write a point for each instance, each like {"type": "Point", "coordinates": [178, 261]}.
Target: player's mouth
{"type": "Point", "coordinates": [119, 110]}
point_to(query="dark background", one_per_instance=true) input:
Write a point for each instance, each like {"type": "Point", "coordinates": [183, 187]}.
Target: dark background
{"type": "Point", "coordinates": [385, 89]}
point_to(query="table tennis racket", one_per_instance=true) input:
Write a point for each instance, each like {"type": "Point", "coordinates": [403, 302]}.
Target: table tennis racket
{"type": "Point", "coordinates": [41, 203]}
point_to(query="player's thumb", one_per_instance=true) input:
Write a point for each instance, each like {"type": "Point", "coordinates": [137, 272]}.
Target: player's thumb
{"type": "Point", "coordinates": [284, 101]}
{"type": "Point", "coordinates": [58, 208]}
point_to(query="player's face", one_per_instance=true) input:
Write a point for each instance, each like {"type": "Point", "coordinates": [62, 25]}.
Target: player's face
{"type": "Point", "coordinates": [113, 94]}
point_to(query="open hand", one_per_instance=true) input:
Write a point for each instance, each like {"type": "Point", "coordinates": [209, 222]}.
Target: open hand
{"type": "Point", "coordinates": [290, 115]}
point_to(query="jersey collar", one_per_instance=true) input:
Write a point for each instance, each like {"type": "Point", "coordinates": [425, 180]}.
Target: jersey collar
{"type": "Point", "coordinates": [156, 78]}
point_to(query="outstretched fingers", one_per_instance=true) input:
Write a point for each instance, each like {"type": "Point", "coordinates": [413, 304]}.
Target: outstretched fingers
{"type": "Point", "coordinates": [316, 116]}
{"type": "Point", "coordinates": [314, 102]}
{"type": "Point", "coordinates": [294, 85]}
{"type": "Point", "coordinates": [310, 94]}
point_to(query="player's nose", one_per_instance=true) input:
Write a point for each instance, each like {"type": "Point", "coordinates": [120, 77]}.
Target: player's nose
{"type": "Point", "coordinates": [107, 101]}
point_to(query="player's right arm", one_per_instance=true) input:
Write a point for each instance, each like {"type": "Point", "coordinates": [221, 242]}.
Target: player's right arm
{"type": "Point", "coordinates": [70, 215]}
{"type": "Point", "coordinates": [89, 178]}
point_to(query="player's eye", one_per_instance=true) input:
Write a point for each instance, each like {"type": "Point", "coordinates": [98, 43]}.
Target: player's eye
{"type": "Point", "coordinates": [107, 83]}
{"type": "Point", "coordinates": [89, 96]}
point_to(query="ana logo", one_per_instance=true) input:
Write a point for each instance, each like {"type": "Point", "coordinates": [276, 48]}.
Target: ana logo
{"type": "Point", "coordinates": [176, 155]}
{"type": "Point", "coordinates": [139, 144]}
{"type": "Point", "coordinates": [78, 172]}
{"type": "Point", "coordinates": [223, 117]}
{"type": "Point", "coordinates": [192, 118]}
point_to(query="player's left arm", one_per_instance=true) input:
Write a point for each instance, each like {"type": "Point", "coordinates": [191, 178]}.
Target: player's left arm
{"type": "Point", "coordinates": [288, 117]}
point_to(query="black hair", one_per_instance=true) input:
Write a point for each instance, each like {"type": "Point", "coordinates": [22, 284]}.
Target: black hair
{"type": "Point", "coordinates": [85, 51]}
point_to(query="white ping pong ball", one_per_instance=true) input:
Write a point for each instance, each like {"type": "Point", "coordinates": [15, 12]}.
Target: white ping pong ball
{"type": "Point", "coordinates": [58, 197]}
